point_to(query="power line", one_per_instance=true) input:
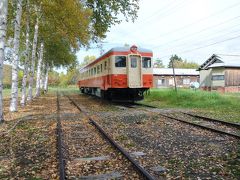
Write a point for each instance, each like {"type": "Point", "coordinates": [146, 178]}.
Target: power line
{"type": "Point", "coordinates": [165, 11]}
{"type": "Point", "coordinates": [168, 10]}
{"type": "Point", "coordinates": [229, 55]}
{"type": "Point", "coordinates": [195, 22]}
{"type": "Point", "coordinates": [156, 12]}
{"type": "Point", "coordinates": [184, 44]}
{"type": "Point", "coordinates": [205, 29]}
{"type": "Point", "coordinates": [201, 47]}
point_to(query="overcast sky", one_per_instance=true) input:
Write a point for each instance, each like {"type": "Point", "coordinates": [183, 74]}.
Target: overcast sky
{"type": "Point", "coordinates": [192, 29]}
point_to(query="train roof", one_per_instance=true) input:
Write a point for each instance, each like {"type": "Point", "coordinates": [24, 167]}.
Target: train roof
{"type": "Point", "coordinates": [118, 50]}
{"type": "Point", "coordinates": [123, 49]}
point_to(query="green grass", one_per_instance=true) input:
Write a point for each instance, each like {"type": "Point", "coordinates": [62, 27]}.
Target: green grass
{"type": "Point", "coordinates": [7, 92]}
{"type": "Point", "coordinates": [70, 89]}
{"type": "Point", "coordinates": [208, 102]}
{"type": "Point", "coordinates": [185, 98]}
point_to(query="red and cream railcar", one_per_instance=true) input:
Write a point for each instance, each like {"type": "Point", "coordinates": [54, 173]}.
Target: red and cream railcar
{"type": "Point", "coordinates": [122, 72]}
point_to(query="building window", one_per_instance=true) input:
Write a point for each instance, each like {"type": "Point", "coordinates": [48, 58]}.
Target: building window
{"type": "Point", "coordinates": [146, 62]}
{"type": "Point", "coordinates": [217, 77]}
{"type": "Point", "coordinates": [120, 61]}
{"type": "Point", "coordinates": [186, 81]}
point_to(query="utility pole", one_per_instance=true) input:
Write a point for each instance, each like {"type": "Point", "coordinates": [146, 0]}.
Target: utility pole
{"type": "Point", "coordinates": [174, 77]}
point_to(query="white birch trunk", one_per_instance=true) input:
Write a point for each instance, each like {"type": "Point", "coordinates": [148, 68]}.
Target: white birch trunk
{"type": "Point", "coordinates": [39, 67]}
{"type": "Point", "coordinates": [3, 28]}
{"type": "Point", "coordinates": [42, 76]}
{"type": "Point", "coordinates": [31, 78]}
{"type": "Point", "coordinates": [17, 28]}
{"type": "Point", "coordinates": [46, 78]}
{"type": "Point", "coordinates": [26, 63]}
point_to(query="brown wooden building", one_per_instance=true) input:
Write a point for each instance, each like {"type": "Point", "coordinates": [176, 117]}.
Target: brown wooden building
{"type": "Point", "coordinates": [220, 73]}
{"type": "Point", "coordinates": [163, 77]}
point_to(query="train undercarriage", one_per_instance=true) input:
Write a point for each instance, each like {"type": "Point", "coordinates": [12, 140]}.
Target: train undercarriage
{"type": "Point", "coordinates": [117, 94]}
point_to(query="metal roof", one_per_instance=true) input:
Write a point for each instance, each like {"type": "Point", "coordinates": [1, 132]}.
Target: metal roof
{"type": "Point", "coordinates": [178, 71]}
{"type": "Point", "coordinates": [123, 49]}
{"type": "Point", "coordinates": [221, 61]}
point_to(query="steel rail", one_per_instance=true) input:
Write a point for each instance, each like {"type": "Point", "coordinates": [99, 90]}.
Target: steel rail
{"type": "Point", "coordinates": [202, 126]}
{"type": "Point", "coordinates": [62, 173]}
{"type": "Point", "coordinates": [144, 105]}
{"type": "Point", "coordinates": [140, 169]}
{"type": "Point", "coordinates": [214, 120]}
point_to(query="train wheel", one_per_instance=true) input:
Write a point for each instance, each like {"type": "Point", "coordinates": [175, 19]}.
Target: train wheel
{"type": "Point", "coordinates": [103, 94]}
{"type": "Point", "coordinates": [81, 90]}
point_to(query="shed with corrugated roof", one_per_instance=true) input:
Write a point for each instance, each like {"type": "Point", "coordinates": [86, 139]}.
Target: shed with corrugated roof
{"type": "Point", "coordinates": [163, 77]}
{"type": "Point", "coordinates": [221, 73]}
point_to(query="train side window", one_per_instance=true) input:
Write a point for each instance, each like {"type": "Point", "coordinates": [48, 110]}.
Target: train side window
{"type": "Point", "coordinates": [133, 62]}
{"type": "Point", "coordinates": [98, 69]}
{"type": "Point", "coordinates": [105, 65]}
{"type": "Point", "coordinates": [101, 68]}
{"type": "Point", "coordinates": [146, 62]}
{"type": "Point", "coordinates": [120, 61]}
{"type": "Point", "coordinates": [95, 70]}
{"type": "Point", "coordinates": [92, 71]}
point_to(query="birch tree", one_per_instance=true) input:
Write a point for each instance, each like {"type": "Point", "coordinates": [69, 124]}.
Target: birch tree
{"type": "Point", "coordinates": [45, 87]}
{"type": "Point", "coordinates": [34, 47]}
{"type": "Point", "coordinates": [42, 75]}
{"type": "Point", "coordinates": [3, 29]}
{"type": "Point", "coordinates": [26, 63]}
{"type": "Point", "coordinates": [39, 67]}
{"type": "Point", "coordinates": [14, 89]}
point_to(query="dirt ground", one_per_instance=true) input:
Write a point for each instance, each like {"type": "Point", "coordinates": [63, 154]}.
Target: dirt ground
{"type": "Point", "coordinates": [28, 141]}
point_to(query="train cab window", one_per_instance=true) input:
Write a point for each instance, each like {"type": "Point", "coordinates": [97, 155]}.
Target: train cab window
{"type": "Point", "coordinates": [120, 61]}
{"type": "Point", "coordinates": [146, 62]}
{"type": "Point", "coordinates": [105, 65]}
{"type": "Point", "coordinates": [133, 62]}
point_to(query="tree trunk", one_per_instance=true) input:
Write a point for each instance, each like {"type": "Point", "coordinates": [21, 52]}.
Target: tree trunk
{"type": "Point", "coordinates": [46, 78]}
{"type": "Point", "coordinates": [26, 63]}
{"type": "Point", "coordinates": [3, 28]}
{"type": "Point", "coordinates": [39, 71]}
{"type": "Point", "coordinates": [30, 88]}
{"type": "Point", "coordinates": [17, 28]}
{"type": "Point", "coordinates": [42, 76]}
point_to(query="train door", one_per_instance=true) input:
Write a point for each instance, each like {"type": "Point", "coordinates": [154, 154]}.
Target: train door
{"type": "Point", "coordinates": [134, 71]}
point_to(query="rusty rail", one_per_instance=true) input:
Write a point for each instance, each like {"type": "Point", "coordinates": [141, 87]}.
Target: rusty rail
{"type": "Point", "coordinates": [62, 174]}
{"type": "Point", "coordinates": [202, 126]}
{"type": "Point", "coordinates": [139, 168]}
{"type": "Point", "coordinates": [214, 120]}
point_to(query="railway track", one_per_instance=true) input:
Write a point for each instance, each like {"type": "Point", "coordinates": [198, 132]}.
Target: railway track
{"type": "Point", "coordinates": [89, 155]}
{"type": "Point", "coordinates": [61, 159]}
{"type": "Point", "coordinates": [207, 123]}
{"type": "Point", "coordinates": [236, 125]}
{"type": "Point", "coordinates": [215, 125]}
